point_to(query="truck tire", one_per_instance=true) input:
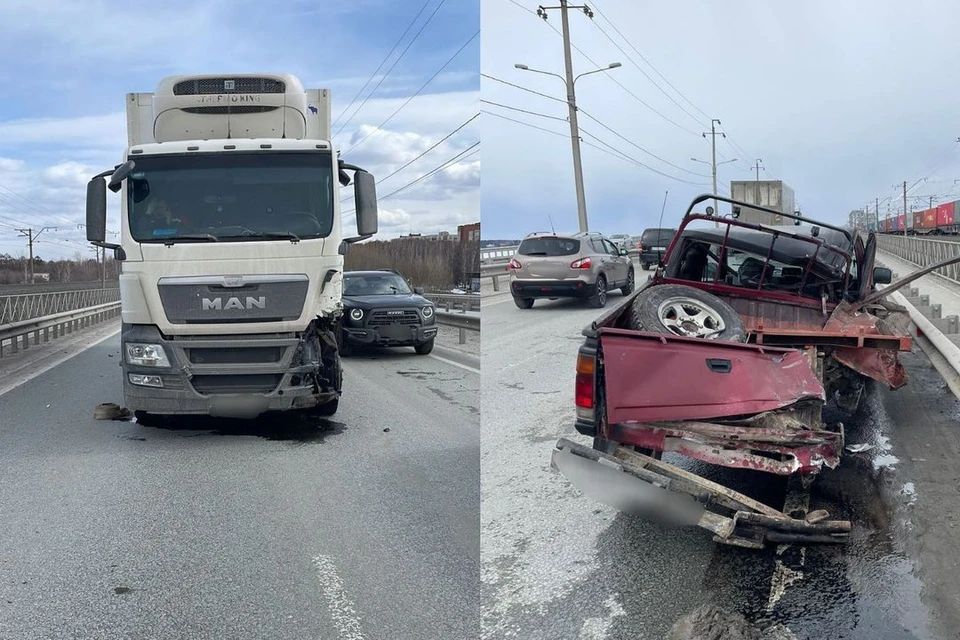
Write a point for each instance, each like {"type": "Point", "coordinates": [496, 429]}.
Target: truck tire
{"type": "Point", "coordinates": [685, 311]}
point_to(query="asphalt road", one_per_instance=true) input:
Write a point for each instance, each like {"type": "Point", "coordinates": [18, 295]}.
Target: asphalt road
{"type": "Point", "coordinates": [362, 527]}
{"type": "Point", "coordinates": [557, 565]}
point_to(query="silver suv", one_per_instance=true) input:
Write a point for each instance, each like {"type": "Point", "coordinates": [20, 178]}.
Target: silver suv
{"type": "Point", "coordinates": [581, 265]}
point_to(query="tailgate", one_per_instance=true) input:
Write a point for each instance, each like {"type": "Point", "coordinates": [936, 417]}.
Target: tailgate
{"type": "Point", "coordinates": [652, 377]}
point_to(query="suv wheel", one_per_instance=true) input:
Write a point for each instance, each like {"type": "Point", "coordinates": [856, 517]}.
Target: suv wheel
{"type": "Point", "coordinates": [523, 303]}
{"type": "Point", "coordinates": [627, 289]}
{"type": "Point", "coordinates": [646, 266]}
{"type": "Point", "coordinates": [599, 299]}
{"type": "Point", "coordinates": [424, 347]}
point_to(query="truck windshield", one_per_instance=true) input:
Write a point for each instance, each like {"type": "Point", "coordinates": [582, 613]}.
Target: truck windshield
{"type": "Point", "coordinates": [231, 197]}
{"type": "Point", "coordinates": [374, 284]}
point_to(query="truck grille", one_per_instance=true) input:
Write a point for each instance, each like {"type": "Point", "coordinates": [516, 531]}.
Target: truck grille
{"type": "Point", "coordinates": [251, 383]}
{"type": "Point", "coordinates": [394, 316]}
{"type": "Point", "coordinates": [216, 85]}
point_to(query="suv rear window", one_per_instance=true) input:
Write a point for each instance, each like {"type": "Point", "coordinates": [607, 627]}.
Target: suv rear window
{"type": "Point", "coordinates": [549, 246]}
{"type": "Point", "coordinates": [657, 237]}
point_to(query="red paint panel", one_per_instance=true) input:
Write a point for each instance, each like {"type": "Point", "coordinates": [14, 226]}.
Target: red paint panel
{"type": "Point", "coordinates": [901, 221]}
{"type": "Point", "coordinates": [652, 377]}
{"type": "Point", "coordinates": [945, 215]}
{"type": "Point", "coordinates": [887, 224]}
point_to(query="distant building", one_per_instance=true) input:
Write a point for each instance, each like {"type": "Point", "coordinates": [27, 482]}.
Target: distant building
{"type": "Point", "coordinates": [469, 232]}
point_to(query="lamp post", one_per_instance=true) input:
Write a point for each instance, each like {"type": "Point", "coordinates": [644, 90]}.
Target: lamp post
{"type": "Point", "coordinates": [570, 82]}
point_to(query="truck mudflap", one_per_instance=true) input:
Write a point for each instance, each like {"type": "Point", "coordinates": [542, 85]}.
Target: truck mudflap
{"type": "Point", "coordinates": [641, 485]}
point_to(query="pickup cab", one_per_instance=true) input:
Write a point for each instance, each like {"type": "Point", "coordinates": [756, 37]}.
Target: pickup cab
{"type": "Point", "coordinates": [727, 355]}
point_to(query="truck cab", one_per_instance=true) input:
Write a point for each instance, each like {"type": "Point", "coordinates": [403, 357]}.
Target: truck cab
{"type": "Point", "coordinates": [231, 246]}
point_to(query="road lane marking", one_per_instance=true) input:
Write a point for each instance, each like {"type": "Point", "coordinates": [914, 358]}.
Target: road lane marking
{"type": "Point", "coordinates": [55, 363]}
{"type": "Point", "coordinates": [456, 364]}
{"type": "Point", "coordinates": [340, 606]}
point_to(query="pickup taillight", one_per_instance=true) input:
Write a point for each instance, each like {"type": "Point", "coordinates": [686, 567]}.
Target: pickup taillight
{"type": "Point", "coordinates": [583, 392]}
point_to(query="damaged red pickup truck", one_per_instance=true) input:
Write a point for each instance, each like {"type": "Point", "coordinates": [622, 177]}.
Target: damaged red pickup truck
{"type": "Point", "coordinates": [728, 355]}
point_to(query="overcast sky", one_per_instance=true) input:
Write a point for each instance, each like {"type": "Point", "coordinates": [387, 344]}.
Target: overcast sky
{"type": "Point", "coordinates": [841, 100]}
{"type": "Point", "coordinates": [67, 67]}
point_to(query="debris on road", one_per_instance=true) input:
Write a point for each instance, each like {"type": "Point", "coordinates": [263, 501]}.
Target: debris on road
{"type": "Point", "coordinates": [111, 411]}
{"type": "Point", "coordinates": [710, 622]}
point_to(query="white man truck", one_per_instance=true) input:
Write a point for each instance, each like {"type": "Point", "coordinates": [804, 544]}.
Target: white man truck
{"type": "Point", "coordinates": [231, 247]}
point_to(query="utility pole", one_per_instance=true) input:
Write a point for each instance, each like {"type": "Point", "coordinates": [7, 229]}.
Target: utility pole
{"type": "Point", "coordinates": [877, 211]}
{"type": "Point", "coordinates": [572, 104]}
{"type": "Point", "coordinates": [904, 207]}
{"type": "Point", "coordinates": [31, 238]}
{"type": "Point", "coordinates": [757, 167]}
{"type": "Point", "coordinates": [713, 163]}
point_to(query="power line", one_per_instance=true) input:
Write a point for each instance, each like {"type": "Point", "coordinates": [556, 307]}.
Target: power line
{"type": "Point", "coordinates": [523, 88]}
{"type": "Point", "coordinates": [630, 44]}
{"type": "Point", "coordinates": [637, 162]}
{"type": "Point", "coordinates": [382, 62]}
{"type": "Point", "coordinates": [409, 44]}
{"type": "Point", "coordinates": [645, 74]}
{"type": "Point", "coordinates": [614, 80]}
{"type": "Point", "coordinates": [641, 148]}
{"type": "Point", "coordinates": [532, 113]}
{"type": "Point", "coordinates": [366, 137]}
{"type": "Point", "coordinates": [616, 153]}
{"type": "Point", "coordinates": [446, 164]}
{"type": "Point", "coordinates": [439, 142]}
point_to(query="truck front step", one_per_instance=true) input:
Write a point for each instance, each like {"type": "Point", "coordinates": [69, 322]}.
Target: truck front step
{"type": "Point", "coordinates": [661, 492]}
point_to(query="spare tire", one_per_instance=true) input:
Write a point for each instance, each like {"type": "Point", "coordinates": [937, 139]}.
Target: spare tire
{"type": "Point", "coordinates": [685, 311]}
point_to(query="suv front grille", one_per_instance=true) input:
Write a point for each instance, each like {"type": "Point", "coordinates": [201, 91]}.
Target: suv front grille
{"type": "Point", "coordinates": [215, 85]}
{"type": "Point", "coordinates": [386, 317]}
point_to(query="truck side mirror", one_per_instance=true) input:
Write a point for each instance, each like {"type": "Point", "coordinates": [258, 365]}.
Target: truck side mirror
{"type": "Point", "coordinates": [96, 210]}
{"type": "Point", "coordinates": [882, 275]}
{"type": "Point", "coordinates": [120, 174]}
{"type": "Point", "coordinates": [365, 197]}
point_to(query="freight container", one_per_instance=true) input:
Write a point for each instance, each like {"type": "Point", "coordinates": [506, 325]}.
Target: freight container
{"type": "Point", "coordinates": [945, 215]}
{"type": "Point", "coordinates": [773, 194]}
{"type": "Point", "coordinates": [887, 224]}
{"type": "Point", "coordinates": [901, 222]}
{"type": "Point", "coordinates": [925, 220]}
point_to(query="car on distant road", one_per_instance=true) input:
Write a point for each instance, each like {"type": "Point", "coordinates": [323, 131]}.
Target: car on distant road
{"type": "Point", "coordinates": [653, 245]}
{"type": "Point", "coordinates": [621, 240]}
{"type": "Point", "coordinates": [380, 309]}
{"type": "Point", "coordinates": [579, 265]}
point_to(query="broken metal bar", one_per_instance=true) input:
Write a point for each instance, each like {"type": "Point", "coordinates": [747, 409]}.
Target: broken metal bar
{"type": "Point", "coordinates": [792, 525]}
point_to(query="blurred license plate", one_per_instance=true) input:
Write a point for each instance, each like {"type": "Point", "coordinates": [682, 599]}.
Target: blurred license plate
{"type": "Point", "coordinates": [659, 248]}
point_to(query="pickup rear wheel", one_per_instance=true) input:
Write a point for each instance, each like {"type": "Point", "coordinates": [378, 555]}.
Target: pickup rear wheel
{"type": "Point", "coordinates": [687, 312]}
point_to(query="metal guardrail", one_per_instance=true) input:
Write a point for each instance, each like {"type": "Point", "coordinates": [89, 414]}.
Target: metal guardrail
{"type": "Point", "coordinates": [51, 287]}
{"type": "Point", "coordinates": [16, 336]}
{"type": "Point", "coordinates": [21, 307]}
{"type": "Point", "coordinates": [446, 301]}
{"type": "Point", "coordinates": [923, 252]}
{"type": "Point", "coordinates": [462, 321]}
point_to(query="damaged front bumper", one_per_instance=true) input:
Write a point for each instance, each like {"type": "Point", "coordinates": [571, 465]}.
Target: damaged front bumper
{"type": "Point", "coordinates": [661, 492]}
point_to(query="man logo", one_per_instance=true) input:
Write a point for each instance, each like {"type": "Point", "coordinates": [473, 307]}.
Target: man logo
{"type": "Point", "coordinates": [217, 304]}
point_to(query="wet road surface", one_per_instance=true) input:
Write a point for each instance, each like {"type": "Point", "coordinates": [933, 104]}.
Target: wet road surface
{"type": "Point", "coordinates": [278, 528]}
{"type": "Point", "coordinates": [557, 565]}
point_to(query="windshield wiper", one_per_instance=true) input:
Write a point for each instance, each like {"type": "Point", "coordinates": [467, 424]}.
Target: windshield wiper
{"type": "Point", "coordinates": [294, 238]}
{"type": "Point", "coordinates": [191, 237]}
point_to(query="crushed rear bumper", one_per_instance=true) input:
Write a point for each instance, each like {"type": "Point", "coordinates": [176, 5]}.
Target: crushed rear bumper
{"type": "Point", "coordinates": [664, 493]}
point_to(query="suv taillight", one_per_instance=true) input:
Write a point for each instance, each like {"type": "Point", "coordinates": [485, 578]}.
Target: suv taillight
{"type": "Point", "coordinates": [514, 264]}
{"type": "Point", "coordinates": [583, 387]}
{"type": "Point", "coordinates": [582, 263]}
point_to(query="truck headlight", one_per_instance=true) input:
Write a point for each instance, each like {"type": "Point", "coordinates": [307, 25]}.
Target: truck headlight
{"type": "Point", "coordinates": [147, 355]}
{"type": "Point", "coordinates": [356, 314]}
{"type": "Point", "coordinates": [427, 313]}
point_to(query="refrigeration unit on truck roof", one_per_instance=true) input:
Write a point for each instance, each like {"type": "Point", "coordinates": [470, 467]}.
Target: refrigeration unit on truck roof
{"type": "Point", "coordinates": [222, 107]}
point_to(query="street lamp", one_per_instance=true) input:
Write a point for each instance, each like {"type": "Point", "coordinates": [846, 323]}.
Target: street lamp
{"type": "Point", "coordinates": [574, 130]}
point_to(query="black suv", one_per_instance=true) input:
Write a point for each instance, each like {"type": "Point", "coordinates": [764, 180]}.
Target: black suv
{"type": "Point", "coordinates": [653, 245]}
{"type": "Point", "coordinates": [379, 308]}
